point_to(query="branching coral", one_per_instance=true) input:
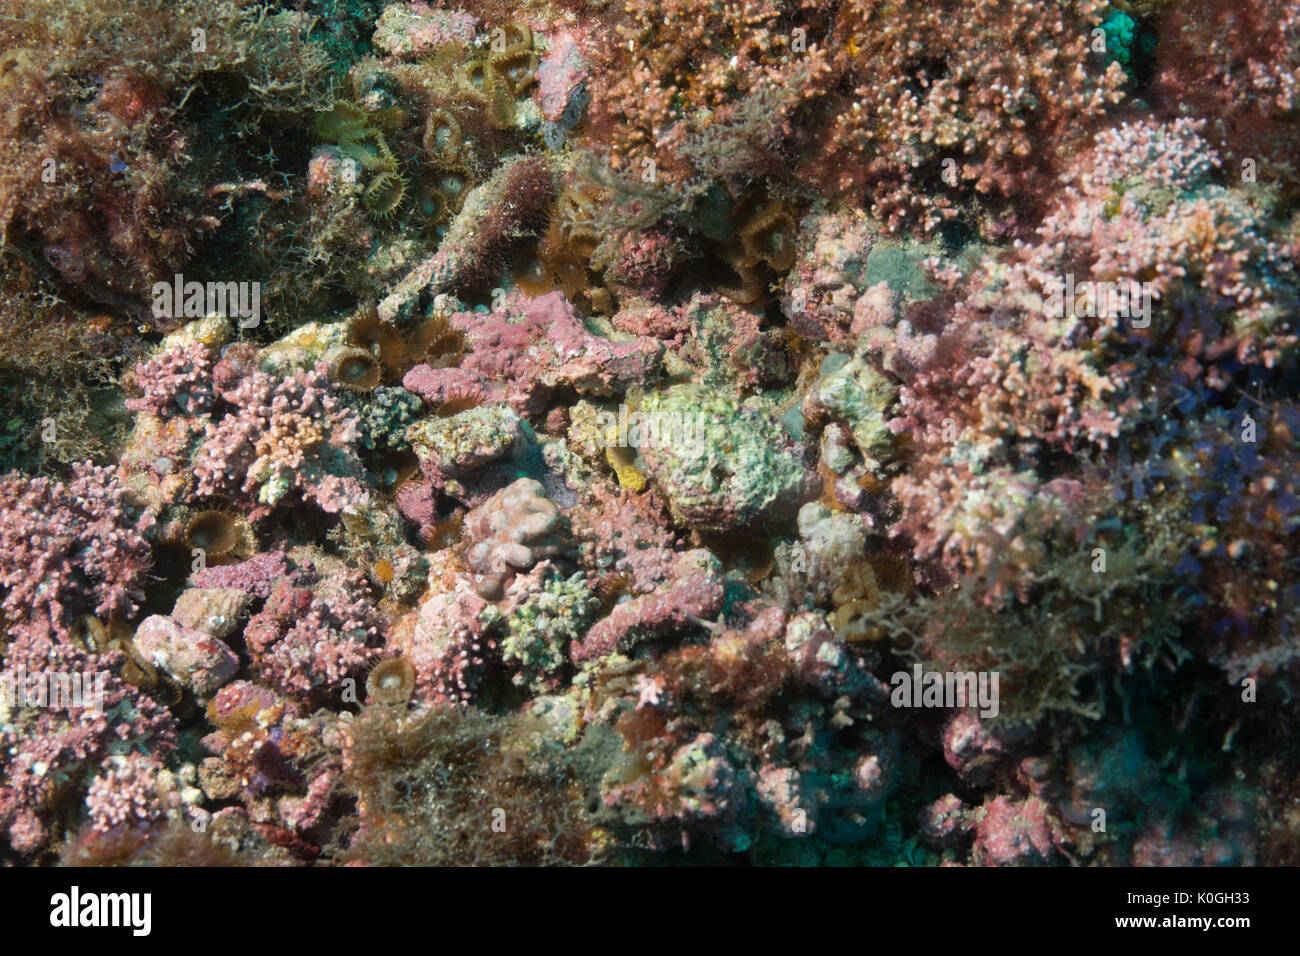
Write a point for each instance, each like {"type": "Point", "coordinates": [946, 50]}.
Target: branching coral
{"type": "Point", "coordinates": [282, 436]}
{"type": "Point", "coordinates": [69, 549]}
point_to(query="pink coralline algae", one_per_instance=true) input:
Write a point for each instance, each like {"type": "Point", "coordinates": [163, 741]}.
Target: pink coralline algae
{"type": "Point", "coordinates": [779, 790]}
{"type": "Point", "coordinates": [68, 549]}
{"type": "Point", "coordinates": [560, 76]}
{"type": "Point", "coordinates": [283, 435]}
{"type": "Point", "coordinates": [824, 285]}
{"type": "Point", "coordinates": [411, 30]}
{"type": "Point", "coordinates": [1009, 833]}
{"type": "Point", "coordinates": [449, 646]}
{"type": "Point", "coordinates": [256, 576]}
{"type": "Point", "coordinates": [625, 533]}
{"type": "Point", "coordinates": [196, 658]}
{"type": "Point", "coordinates": [126, 792]}
{"type": "Point", "coordinates": [693, 592]}
{"type": "Point", "coordinates": [273, 760]}
{"type": "Point", "coordinates": [177, 381]}
{"type": "Point", "coordinates": [51, 751]}
{"type": "Point", "coordinates": [536, 348]}
{"type": "Point", "coordinates": [313, 632]}
{"type": "Point", "coordinates": [309, 637]}
{"type": "Point", "coordinates": [945, 822]}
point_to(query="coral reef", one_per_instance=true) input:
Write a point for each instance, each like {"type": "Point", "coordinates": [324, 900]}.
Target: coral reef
{"type": "Point", "coordinates": [649, 431]}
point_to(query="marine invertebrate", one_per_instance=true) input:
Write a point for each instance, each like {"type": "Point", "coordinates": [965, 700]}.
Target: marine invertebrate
{"type": "Point", "coordinates": [433, 342]}
{"type": "Point", "coordinates": [390, 681]}
{"type": "Point", "coordinates": [568, 247]}
{"type": "Point", "coordinates": [365, 330]}
{"type": "Point", "coordinates": [386, 417]}
{"type": "Point", "coordinates": [355, 369]}
{"type": "Point", "coordinates": [214, 531]}
{"type": "Point", "coordinates": [385, 193]}
{"type": "Point", "coordinates": [510, 532]}
{"type": "Point", "coordinates": [510, 207]}
{"type": "Point", "coordinates": [360, 137]}
{"type": "Point", "coordinates": [457, 401]}
{"type": "Point", "coordinates": [763, 244]}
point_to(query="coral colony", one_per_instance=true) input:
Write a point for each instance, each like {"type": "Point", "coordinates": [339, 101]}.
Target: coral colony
{"type": "Point", "coordinates": [649, 431]}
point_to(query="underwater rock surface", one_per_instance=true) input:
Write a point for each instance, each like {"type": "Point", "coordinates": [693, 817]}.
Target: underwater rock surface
{"type": "Point", "coordinates": [852, 433]}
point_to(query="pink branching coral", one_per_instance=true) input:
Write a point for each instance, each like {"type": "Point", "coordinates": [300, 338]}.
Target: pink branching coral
{"type": "Point", "coordinates": [50, 751]}
{"type": "Point", "coordinates": [178, 380]}
{"type": "Point", "coordinates": [284, 435]}
{"type": "Point", "coordinates": [125, 793]}
{"type": "Point", "coordinates": [69, 548]}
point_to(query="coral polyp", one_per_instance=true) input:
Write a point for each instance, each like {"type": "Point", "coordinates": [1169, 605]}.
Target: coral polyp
{"type": "Point", "coordinates": [214, 531]}
{"type": "Point", "coordinates": [356, 369]}
{"type": "Point", "coordinates": [391, 682]}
